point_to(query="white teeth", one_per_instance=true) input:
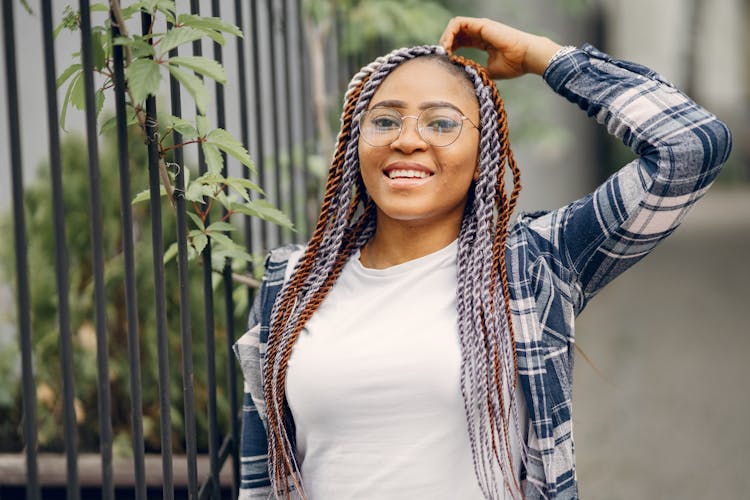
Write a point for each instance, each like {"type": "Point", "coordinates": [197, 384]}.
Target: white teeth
{"type": "Point", "coordinates": [413, 174]}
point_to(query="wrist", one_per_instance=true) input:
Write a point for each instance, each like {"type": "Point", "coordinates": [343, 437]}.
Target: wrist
{"type": "Point", "coordinates": [540, 53]}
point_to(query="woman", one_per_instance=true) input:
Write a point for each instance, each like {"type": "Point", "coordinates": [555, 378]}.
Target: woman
{"type": "Point", "coordinates": [419, 346]}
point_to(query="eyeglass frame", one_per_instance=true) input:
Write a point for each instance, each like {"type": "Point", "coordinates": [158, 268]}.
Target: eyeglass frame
{"type": "Point", "coordinates": [362, 115]}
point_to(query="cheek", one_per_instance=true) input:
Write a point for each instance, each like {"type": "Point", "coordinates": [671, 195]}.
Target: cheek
{"type": "Point", "coordinates": [367, 161]}
{"type": "Point", "coordinates": [462, 165]}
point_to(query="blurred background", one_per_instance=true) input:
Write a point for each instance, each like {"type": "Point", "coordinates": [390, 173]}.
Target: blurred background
{"type": "Point", "coordinates": [660, 402]}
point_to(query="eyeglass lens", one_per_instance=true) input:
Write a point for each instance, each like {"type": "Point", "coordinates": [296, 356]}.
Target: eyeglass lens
{"type": "Point", "coordinates": [438, 126]}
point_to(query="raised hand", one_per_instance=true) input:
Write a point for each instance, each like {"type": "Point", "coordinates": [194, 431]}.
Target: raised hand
{"type": "Point", "coordinates": [512, 52]}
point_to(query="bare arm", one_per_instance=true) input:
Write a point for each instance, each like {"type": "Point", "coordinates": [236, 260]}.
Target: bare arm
{"type": "Point", "coordinates": [512, 53]}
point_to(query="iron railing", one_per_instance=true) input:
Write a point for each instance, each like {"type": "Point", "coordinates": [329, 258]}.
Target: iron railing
{"type": "Point", "coordinates": [271, 61]}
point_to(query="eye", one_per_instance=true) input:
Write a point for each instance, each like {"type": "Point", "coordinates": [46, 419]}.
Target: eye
{"type": "Point", "coordinates": [385, 122]}
{"type": "Point", "coordinates": [442, 124]}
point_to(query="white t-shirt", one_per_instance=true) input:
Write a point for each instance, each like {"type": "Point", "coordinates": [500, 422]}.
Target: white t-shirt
{"type": "Point", "coordinates": [373, 386]}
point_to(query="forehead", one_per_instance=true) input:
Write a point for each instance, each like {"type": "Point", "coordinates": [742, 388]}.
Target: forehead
{"type": "Point", "coordinates": [423, 80]}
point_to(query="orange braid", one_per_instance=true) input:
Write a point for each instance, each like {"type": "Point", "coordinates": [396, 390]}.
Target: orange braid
{"type": "Point", "coordinates": [290, 293]}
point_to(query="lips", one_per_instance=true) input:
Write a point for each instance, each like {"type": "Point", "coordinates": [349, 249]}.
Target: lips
{"type": "Point", "coordinates": [407, 170]}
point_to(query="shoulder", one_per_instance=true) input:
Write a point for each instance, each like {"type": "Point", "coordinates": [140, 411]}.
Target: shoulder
{"type": "Point", "coordinates": [280, 262]}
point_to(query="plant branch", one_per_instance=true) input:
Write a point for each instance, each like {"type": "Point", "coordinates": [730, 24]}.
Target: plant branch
{"type": "Point", "coordinates": [165, 180]}
{"type": "Point", "coordinates": [245, 279]}
{"type": "Point", "coordinates": [175, 146]}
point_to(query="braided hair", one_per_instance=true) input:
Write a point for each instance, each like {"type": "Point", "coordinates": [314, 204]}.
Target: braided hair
{"type": "Point", "coordinates": [485, 331]}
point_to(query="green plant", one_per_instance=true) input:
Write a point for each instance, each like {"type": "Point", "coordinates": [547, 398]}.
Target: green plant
{"type": "Point", "coordinates": [45, 330]}
{"type": "Point", "coordinates": [147, 59]}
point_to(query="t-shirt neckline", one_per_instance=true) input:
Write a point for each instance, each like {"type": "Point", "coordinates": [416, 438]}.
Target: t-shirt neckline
{"type": "Point", "coordinates": [448, 251]}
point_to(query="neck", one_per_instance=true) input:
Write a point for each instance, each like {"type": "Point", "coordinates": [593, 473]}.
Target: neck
{"type": "Point", "coordinates": [396, 242]}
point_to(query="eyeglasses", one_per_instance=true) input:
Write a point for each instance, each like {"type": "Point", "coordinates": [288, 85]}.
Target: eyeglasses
{"type": "Point", "coordinates": [438, 126]}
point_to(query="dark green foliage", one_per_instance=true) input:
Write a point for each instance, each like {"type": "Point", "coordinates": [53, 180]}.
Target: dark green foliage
{"type": "Point", "coordinates": [45, 330]}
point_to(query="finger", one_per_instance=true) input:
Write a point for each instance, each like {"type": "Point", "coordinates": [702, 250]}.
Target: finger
{"type": "Point", "coordinates": [463, 32]}
{"type": "Point", "coordinates": [446, 39]}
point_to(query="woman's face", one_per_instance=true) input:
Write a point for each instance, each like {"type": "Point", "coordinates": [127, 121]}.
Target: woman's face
{"type": "Point", "coordinates": [411, 180]}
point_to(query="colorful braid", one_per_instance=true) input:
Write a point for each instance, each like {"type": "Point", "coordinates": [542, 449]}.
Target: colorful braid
{"type": "Point", "coordinates": [347, 221]}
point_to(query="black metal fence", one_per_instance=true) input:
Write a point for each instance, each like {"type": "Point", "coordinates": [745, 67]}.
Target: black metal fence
{"type": "Point", "coordinates": [272, 97]}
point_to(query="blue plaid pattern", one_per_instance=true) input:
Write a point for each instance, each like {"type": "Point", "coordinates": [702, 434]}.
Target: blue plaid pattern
{"type": "Point", "coordinates": [557, 260]}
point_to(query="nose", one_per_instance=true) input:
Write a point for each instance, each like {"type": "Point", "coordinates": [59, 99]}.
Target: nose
{"type": "Point", "coordinates": [409, 140]}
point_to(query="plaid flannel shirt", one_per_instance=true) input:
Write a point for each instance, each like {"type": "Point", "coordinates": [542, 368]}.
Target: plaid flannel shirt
{"type": "Point", "coordinates": [557, 260]}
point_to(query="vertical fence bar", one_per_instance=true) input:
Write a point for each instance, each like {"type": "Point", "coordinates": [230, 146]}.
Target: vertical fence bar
{"type": "Point", "coordinates": [157, 246]}
{"type": "Point", "coordinates": [131, 308]}
{"type": "Point", "coordinates": [276, 128]}
{"type": "Point", "coordinates": [308, 214]}
{"type": "Point", "coordinates": [288, 79]}
{"type": "Point", "coordinates": [208, 295]}
{"type": "Point", "coordinates": [255, 27]}
{"type": "Point", "coordinates": [227, 281]}
{"type": "Point", "coordinates": [61, 258]}
{"type": "Point", "coordinates": [182, 266]}
{"type": "Point", "coordinates": [186, 333]}
{"type": "Point", "coordinates": [244, 121]}
{"type": "Point", "coordinates": [22, 268]}
{"type": "Point", "coordinates": [97, 250]}
{"type": "Point", "coordinates": [231, 370]}
{"type": "Point", "coordinates": [208, 309]}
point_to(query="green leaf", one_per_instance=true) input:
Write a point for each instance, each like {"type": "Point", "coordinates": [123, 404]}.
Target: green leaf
{"type": "Point", "coordinates": [229, 181]}
{"type": "Point", "coordinates": [264, 210]}
{"type": "Point", "coordinates": [111, 123]}
{"type": "Point", "coordinates": [196, 191]}
{"type": "Point", "coordinates": [224, 141]}
{"type": "Point", "coordinates": [99, 7]}
{"type": "Point", "coordinates": [99, 100]}
{"type": "Point", "coordinates": [138, 46]}
{"type": "Point", "coordinates": [146, 195]}
{"type": "Point", "coordinates": [78, 94]}
{"type": "Point", "coordinates": [220, 226]}
{"type": "Point", "coordinates": [204, 125]}
{"type": "Point", "coordinates": [167, 7]}
{"type": "Point", "coordinates": [225, 201]}
{"type": "Point", "coordinates": [184, 127]}
{"type": "Point", "coordinates": [71, 87]}
{"type": "Point", "coordinates": [223, 240]}
{"type": "Point", "coordinates": [200, 241]}
{"type": "Point", "coordinates": [194, 86]}
{"type": "Point", "coordinates": [209, 23]}
{"type": "Point", "coordinates": [246, 183]}
{"type": "Point", "coordinates": [69, 21]}
{"type": "Point", "coordinates": [197, 220]}
{"type": "Point", "coordinates": [97, 50]}
{"type": "Point", "coordinates": [203, 65]}
{"type": "Point", "coordinates": [213, 158]}
{"type": "Point", "coordinates": [211, 178]}
{"type": "Point", "coordinates": [127, 12]}
{"type": "Point", "coordinates": [67, 73]}
{"type": "Point", "coordinates": [178, 36]}
{"type": "Point", "coordinates": [143, 78]}
{"type": "Point", "coordinates": [170, 253]}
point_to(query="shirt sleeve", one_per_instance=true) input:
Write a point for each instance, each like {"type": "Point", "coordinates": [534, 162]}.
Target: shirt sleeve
{"type": "Point", "coordinates": [254, 480]}
{"type": "Point", "coordinates": [681, 148]}
{"type": "Point", "coordinates": [250, 350]}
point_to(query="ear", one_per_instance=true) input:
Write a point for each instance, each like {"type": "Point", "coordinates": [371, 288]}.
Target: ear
{"type": "Point", "coordinates": [475, 177]}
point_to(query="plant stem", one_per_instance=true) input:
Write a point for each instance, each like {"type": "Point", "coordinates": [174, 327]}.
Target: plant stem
{"type": "Point", "coordinates": [175, 146]}
{"type": "Point", "coordinates": [165, 180]}
{"type": "Point", "coordinates": [244, 279]}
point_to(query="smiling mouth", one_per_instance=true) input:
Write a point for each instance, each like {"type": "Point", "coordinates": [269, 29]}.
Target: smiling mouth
{"type": "Point", "coordinates": [407, 174]}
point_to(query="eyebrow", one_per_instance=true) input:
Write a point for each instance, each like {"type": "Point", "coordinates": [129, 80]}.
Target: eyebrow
{"type": "Point", "coordinates": [395, 103]}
